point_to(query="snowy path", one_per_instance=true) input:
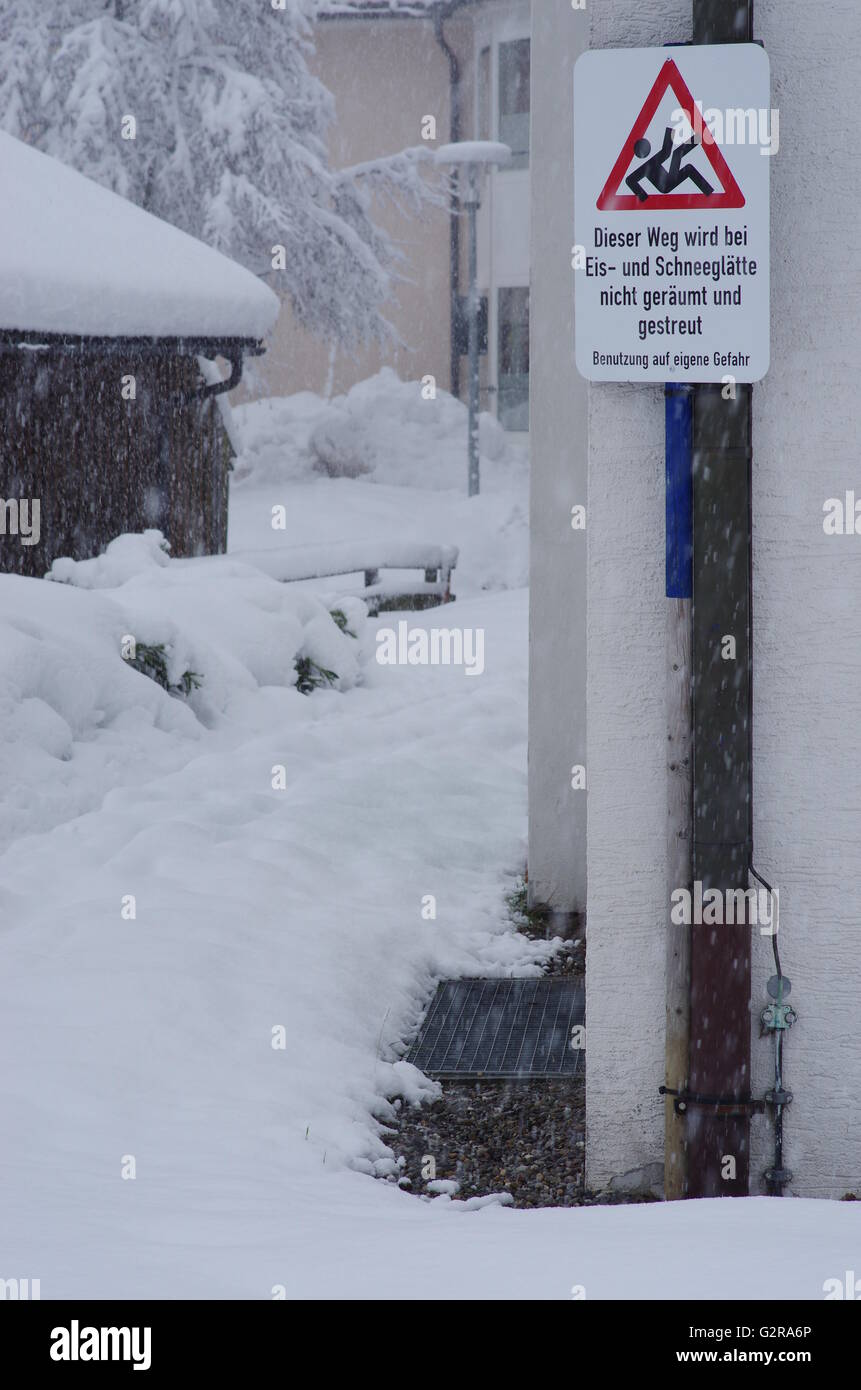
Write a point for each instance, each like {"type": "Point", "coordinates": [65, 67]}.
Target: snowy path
{"type": "Point", "coordinates": [151, 1038]}
{"type": "Point", "coordinates": [255, 908]}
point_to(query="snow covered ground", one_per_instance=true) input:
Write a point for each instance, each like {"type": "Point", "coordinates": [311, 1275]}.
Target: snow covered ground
{"type": "Point", "coordinates": [414, 451]}
{"type": "Point", "coordinates": [266, 915]}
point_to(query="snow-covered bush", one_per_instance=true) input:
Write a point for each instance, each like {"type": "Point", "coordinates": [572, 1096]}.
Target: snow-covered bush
{"type": "Point", "coordinates": [124, 557]}
{"type": "Point", "coordinates": [153, 661]}
{"type": "Point", "coordinates": [76, 718]}
{"type": "Point", "coordinates": [218, 619]}
{"type": "Point", "coordinates": [341, 447]}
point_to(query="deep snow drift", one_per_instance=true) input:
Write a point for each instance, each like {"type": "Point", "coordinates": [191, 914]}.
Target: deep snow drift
{"type": "Point", "coordinates": [289, 916]}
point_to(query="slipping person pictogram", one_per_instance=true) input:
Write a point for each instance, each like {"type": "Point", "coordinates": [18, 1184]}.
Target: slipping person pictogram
{"type": "Point", "coordinates": [653, 168]}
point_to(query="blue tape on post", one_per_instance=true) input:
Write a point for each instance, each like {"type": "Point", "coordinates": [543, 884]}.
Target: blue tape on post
{"type": "Point", "coordinates": [680, 537]}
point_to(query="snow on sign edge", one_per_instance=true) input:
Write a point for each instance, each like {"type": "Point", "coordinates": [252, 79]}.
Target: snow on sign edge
{"type": "Point", "coordinates": [77, 258]}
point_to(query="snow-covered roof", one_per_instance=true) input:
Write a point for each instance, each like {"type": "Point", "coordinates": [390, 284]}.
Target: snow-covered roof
{"type": "Point", "coordinates": [330, 8]}
{"type": "Point", "coordinates": [380, 9]}
{"type": "Point", "coordinates": [76, 258]}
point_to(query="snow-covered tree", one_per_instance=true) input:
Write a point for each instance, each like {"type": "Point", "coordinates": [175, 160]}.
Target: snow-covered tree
{"type": "Point", "coordinates": [205, 113]}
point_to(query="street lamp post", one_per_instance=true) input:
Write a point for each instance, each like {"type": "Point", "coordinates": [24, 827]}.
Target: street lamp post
{"type": "Point", "coordinates": [472, 201]}
{"type": "Point", "coordinates": [475, 157]}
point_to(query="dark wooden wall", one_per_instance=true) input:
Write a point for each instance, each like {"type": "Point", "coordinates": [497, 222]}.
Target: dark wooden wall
{"type": "Point", "coordinates": [101, 465]}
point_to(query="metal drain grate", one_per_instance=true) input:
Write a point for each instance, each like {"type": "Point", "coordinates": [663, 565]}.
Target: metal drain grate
{"type": "Point", "coordinates": [501, 1028]}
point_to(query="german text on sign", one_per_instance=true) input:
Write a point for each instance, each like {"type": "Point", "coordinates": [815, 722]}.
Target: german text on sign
{"type": "Point", "coordinates": [671, 255]}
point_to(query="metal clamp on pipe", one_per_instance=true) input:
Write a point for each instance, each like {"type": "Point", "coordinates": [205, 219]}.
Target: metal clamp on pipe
{"type": "Point", "coordinates": [716, 1105]}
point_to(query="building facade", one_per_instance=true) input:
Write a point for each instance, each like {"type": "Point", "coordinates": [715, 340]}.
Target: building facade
{"type": "Point", "coordinates": [390, 65]}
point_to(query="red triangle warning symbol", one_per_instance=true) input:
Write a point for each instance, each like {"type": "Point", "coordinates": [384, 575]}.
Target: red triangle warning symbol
{"type": "Point", "coordinates": [659, 173]}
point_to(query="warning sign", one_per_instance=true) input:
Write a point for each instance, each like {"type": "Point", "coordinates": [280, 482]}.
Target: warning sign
{"type": "Point", "coordinates": [673, 166]}
{"type": "Point", "coordinates": [672, 159]}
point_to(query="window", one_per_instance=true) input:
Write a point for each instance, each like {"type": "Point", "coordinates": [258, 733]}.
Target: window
{"type": "Point", "coordinates": [484, 130]}
{"type": "Point", "coordinates": [461, 326]}
{"type": "Point", "coordinates": [513, 359]}
{"type": "Point", "coordinates": [514, 100]}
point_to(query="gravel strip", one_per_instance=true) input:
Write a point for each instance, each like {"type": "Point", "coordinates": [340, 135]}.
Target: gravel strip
{"type": "Point", "coordinates": [526, 1138]}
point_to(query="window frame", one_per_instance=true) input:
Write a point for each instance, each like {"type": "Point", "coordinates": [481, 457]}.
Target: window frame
{"type": "Point", "coordinates": [521, 160]}
{"type": "Point", "coordinates": [502, 323]}
{"type": "Point", "coordinates": [492, 31]}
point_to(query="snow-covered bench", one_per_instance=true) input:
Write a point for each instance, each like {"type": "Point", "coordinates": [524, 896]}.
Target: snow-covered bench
{"type": "Point", "coordinates": [290, 564]}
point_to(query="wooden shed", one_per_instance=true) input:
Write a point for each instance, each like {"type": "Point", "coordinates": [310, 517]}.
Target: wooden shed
{"type": "Point", "coordinates": [110, 320]}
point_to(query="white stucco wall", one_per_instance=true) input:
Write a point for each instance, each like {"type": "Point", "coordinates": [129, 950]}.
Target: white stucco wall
{"type": "Point", "coordinates": [557, 635]}
{"type": "Point", "coordinates": [807, 644]}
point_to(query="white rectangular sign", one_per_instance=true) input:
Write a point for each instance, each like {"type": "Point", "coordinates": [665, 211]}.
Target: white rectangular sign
{"type": "Point", "coordinates": [672, 152]}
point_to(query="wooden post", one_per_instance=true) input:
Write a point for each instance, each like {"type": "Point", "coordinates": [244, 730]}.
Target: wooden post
{"type": "Point", "coordinates": [679, 786]}
{"type": "Point", "coordinates": [721, 843]}
{"type": "Point", "coordinates": [678, 876]}
{"type": "Point", "coordinates": [719, 1138]}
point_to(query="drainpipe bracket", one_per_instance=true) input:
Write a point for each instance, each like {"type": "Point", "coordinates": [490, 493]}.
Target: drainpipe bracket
{"type": "Point", "coordinates": [778, 1177]}
{"type": "Point", "coordinates": [776, 1017]}
{"type": "Point", "coordinates": [778, 1097]}
{"type": "Point", "coordinates": [741, 1106]}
